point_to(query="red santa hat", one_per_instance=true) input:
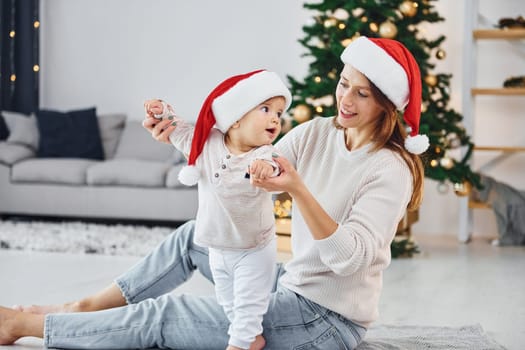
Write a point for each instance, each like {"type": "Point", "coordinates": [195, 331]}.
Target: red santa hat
{"type": "Point", "coordinates": [392, 68]}
{"type": "Point", "coordinates": [225, 105]}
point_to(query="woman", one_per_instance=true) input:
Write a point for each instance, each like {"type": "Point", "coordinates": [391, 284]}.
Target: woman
{"type": "Point", "coordinates": [351, 178]}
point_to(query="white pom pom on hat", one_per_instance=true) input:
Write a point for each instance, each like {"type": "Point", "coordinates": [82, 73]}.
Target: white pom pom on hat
{"type": "Point", "coordinates": [225, 105]}
{"type": "Point", "coordinates": [392, 68]}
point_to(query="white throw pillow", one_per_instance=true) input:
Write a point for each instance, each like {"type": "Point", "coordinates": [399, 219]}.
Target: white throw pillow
{"type": "Point", "coordinates": [23, 129]}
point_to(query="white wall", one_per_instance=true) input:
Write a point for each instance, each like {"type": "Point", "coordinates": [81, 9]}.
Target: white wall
{"type": "Point", "coordinates": [113, 54]}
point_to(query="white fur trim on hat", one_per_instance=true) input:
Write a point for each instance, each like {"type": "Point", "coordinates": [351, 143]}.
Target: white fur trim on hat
{"type": "Point", "coordinates": [417, 144]}
{"type": "Point", "coordinates": [189, 175]}
{"type": "Point", "coordinates": [246, 95]}
{"type": "Point", "coordinates": [380, 68]}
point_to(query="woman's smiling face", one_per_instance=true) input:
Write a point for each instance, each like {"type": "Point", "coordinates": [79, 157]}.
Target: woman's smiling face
{"type": "Point", "coordinates": [357, 108]}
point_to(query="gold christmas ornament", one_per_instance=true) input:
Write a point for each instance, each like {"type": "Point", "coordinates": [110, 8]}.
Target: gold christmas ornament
{"type": "Point", "coordinates": [442, 187]}
{"type": "Point", "coordinates": [388, 30]}
{"type": "Point", "coordinates": [431, 80]}
{"type": "Point", "coordinates": [358, 11]}
{"type": "Point", "coordinates": [373, 27]}
{"type": "Point", "coordinates": [463, 189]}
{"type": "Point", "coordinates": [302, 113]}
{"type": "Point", "coordinates": [440, 54]}
{"type": "Point", "coordinates": [446, 163]}
{"type": "Point", "coordinates": [341, 14]}
{"type": "Point", "coordinates": [408, 8]}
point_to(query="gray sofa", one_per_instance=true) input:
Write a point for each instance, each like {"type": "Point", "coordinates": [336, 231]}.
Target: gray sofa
{"type": "Point", "coordinates": [136, 181]}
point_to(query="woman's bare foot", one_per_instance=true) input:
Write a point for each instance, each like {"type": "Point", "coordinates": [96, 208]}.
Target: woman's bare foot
{"type": "Point", "coordinates": [107, 298]}
{"type": "Point", "coordinates": [15, 325]}
{"type": "Point", "coordinates": [50, 309]}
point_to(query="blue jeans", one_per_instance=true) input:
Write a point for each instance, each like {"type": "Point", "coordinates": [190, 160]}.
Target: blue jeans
{"type": "Point", "coordinates": [154, 318]}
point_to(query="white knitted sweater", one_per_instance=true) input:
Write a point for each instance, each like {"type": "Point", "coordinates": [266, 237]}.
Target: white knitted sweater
{"type": "Point", "coordinates": [366, 194]}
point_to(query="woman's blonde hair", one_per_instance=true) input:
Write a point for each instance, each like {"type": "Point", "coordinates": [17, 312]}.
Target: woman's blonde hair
{"type": "Point", "coordinates": [390, 133]}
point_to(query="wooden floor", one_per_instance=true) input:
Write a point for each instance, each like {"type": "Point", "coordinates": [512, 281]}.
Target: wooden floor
{"type": "Point", "coordinates": [448, 284]}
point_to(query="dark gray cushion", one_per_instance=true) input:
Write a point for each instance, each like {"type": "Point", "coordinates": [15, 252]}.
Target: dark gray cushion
{"type": "Point", "coordinates": [11, 153]}
{"type": "Point", "coordinates": [52, 170]}
{"type": "Point", "coordinates": [110, 126]}
{"type": "Point", "coordinates": [128, 172]}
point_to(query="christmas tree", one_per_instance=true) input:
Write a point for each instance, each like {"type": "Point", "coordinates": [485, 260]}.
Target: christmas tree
{"type": "Point", "coordinates": [335, 24]}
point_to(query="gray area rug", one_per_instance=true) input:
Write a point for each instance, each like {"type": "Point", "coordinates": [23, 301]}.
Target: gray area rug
{"type": "Point", "coordinates": [385, 337]}
{"type": "Point", "coordinates": [78, 237]}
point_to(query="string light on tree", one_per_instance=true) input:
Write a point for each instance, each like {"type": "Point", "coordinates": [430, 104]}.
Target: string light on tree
{"type": "Point", "coordinates": [441, 54]}
{"type": "Point", "coordinates": [346, 42]}
{"type": "Point", "coordinates": [330, 22]}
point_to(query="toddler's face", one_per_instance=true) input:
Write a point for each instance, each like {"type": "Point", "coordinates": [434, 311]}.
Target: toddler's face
{"type": "Point", "coordinates": [261, 125]}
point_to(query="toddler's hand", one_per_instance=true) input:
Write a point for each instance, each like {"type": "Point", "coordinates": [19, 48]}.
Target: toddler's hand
{"type": "Point", "coordinates": [260, 170]}
{"type": "Point", "coordinates": [159, 109]}
{"type": "Point", "coordinates": [153, 107]}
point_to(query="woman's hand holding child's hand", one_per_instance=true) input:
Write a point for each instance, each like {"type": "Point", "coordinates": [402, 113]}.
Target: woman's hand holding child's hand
{"type": "Point", "coordinates": [287, 181]}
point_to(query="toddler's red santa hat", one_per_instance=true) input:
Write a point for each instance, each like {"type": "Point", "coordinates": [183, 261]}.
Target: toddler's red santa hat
{"type": "Point", "coordinates": [225, 105]}
{"type": "Point", "coordinates": [392, 68]}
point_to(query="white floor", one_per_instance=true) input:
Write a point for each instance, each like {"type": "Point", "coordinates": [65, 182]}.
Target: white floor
{"type": "Point", "coordinates": [449, 284]}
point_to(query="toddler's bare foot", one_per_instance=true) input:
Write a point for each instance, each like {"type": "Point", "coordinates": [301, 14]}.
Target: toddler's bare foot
{"type": "Point", "coordinates": [50, 309]}
{"type": "Point", "coordinates": [258, 344]}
